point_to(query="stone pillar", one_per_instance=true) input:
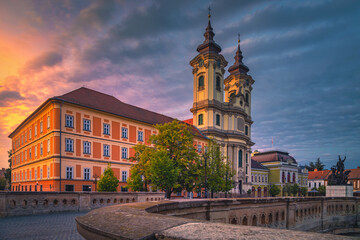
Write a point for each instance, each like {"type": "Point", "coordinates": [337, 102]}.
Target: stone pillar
{"type": "Point", "coordinates": [84, 201]}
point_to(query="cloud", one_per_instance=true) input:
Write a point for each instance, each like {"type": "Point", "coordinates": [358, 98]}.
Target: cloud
{"type": "Point", "coordinates": [47, 59]}
{"type": "Point", "coordinates": [7, 96]}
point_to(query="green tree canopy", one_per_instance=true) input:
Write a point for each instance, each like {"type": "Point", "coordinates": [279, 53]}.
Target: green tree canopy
{"type": "Point", "coordinates": [219, 173]}
{"type": "Point", "coordinates": [172, 164]}
{"type": "Point", "coordinates": [315, 165]}
{"type": "Point", "coordinates": [274, 190]}
{"type": "Point", "coordinates": [108, 182]}
{"type": "Point", "coordinates": [304, 191]}
{"type": "Point", "coordinates": [322, 190]}
{"type": "Point", "coordinates": [294, 189]}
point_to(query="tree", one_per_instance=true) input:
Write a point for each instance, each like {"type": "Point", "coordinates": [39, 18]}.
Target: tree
{"type": "Point", "coordinates": [315, 165]}
{"type": "Point", "coordinates": [303, 191]}
{"type": "Point", "coordinates": [8, 170]}
{"type": "Point", "coordinates": [322, 190]}
{"type": "Point", "coordinates": [294, 189]}
{"type": "Point", "coordinates": [274, 190]}
{"type": "Point", "coordinates": [2, 184]}
{"type": "Point", "coordinates": [287, 189]}
{"type": "Point", "coordinates": [219, 173]}
{"type": "Point", "coordinates": [173, 152]}
{"type": "Point", "coordinates": [108, 182]}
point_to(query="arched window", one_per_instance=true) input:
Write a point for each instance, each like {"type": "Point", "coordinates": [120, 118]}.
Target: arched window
{"type": "Point", "coordinates": [288, 178]}
{"type": "Point", "coordinates": [247, 98]}
{"type": "Point", "coordinates": [283, 177]}
{"type": "Point", "coordinates": [246, 130]}
{"type": "Point", "coordinates": [201, 83]}
{"type": "Point", "coordinates": [217, 119]}
{"type": "Point", "coordinates": [218, 83]}
{"type": "Point", "coordinates": [240, 158]}
{"type": "Point", "coordinates": [201, 119]}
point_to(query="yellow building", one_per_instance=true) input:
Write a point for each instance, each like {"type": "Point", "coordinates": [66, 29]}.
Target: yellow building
{"type": "Point", "coordinates": [259, 179]}
{"type": "Point", "coordinates": [67, 142]}
{"type": "Point", "coordinates": [283, 168]}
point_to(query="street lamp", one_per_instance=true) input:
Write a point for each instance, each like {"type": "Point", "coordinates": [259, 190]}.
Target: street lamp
{"type": "Point", "coordinates": [95, 181]}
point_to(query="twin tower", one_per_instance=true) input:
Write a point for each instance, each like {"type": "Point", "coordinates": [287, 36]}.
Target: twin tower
{"type": "Point", "coordinates": [222, 106]}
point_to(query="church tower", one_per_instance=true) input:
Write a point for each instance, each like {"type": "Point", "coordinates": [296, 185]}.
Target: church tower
{"type": "Point", "coordinates": [222, 106]}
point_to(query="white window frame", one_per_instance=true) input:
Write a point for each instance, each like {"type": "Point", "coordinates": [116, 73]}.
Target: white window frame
{"type": "Point", "coordinates": [199, 148]}
{"type": "Point", "coordinates": [48, 172]}
{"type": "Point", "coordinates": [41, 173]}
{"type": "Point", "coordinates": [86, 147]}
{"type": "Point", "coordinates": [25, 136]}
{"type": "Point", "coordinates": [106, 150]}
{"type": "Point", "coordinates": [35, 174]}
{"type": "Point", "coordinates": [86, 124]}
{"type": "Point", "coordinates": [48, 122]}
{"type": "Point", "coordinates": [35, 130]}
{"type": "Point", "coordinates": [106, 128]}
{"type": "Point", "coordinates": [41, 127]}
{"type": "Point", "coordinates": [124, 176]}
{"type": "Point", "coordinates": [87, 172]}
{"type": "Point", "coordinates": [41, 149]}
{"type": "Point", "coordinates": [30, 134]}
{"type": "Point", "coordinates": [30, 174]}
{"type": "Point", "coordinates": [35, 150]}
{"type": "Point", "coordinates": [140, 136]}
{"type": "Point", "coordinates": [48, 145]}
{"type": "Point", "coordinates": [25, 177]}
{"type": "Point", "coordinates": [69, 121]}
{"type": "Point", "coordinates": [124, 132]}
{"type": "Point", "coordinates": [69, 145]}
{"type": "Point", "coordinates": [69, 173]}
{"type": "Point", "coordinates": [124, 153]}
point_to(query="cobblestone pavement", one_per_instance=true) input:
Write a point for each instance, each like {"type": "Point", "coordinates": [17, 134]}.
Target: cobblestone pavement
{"type": "Point", "coordinates": [48, 226]}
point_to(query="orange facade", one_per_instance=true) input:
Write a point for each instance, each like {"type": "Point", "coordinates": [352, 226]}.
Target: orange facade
{"type": "Point", "coordinates": [68, 146]}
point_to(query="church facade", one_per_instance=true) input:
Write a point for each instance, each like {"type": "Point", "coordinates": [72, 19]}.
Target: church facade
{"type": "Point", "coordinates": [222, 105]}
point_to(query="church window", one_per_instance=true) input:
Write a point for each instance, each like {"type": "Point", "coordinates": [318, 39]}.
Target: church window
{"type": "Point", "coordinates": [246, 130]}
{"type": "Point", "coordinates": [218, 63]}
{"type": "Point", "coordinates": [218, 83]}
{"type": "Point", "coordinates": [201, 119]}
{"type": "Point", "coordinates": [217, 119]}
{"type": "Point", "coordinates": [247, 98]}
{"type": "Point", "coordinates": [240, 158]}
{"type": "Point", "coordinates": [201, 83]}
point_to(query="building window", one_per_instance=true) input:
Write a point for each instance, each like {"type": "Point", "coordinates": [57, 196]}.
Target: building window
{"type": "Point", "coordinates": [69, 172]}
{"type": "Point", "coordinates": [309, 184]}
{"type": "Point", "coordinates": [48, 145]}
{"type": "Point", "coordinates": [199, 148]}
{"type": "Point", "coordinates": [25, 137]}
{"type": "Point", "coordinates": [266, 180]}
{"type": "Point", "coordinates": [319, 184]}
{"type": "Point", "coordinates": [29, 134]}
{"type": "Point", "coordinates": [87, 173]}
{"type": "Point", "coordinates": [140, 136]}
{"type": "Point", "coordinates": [41, 173]}
{"type": "Point", "coordinates": [262, 178]}
{"type": "Point", "coordinates": [124, 176]}
{"type": "Point", "coordinates": [294, 178]}
{"type": "Point", "coordinates": [201, 83]}
{"type": "Point", "coordinates": [106, 150]}
{"type": "Point", "coordinates": [35, 154]}
{"type": "Point", "coordinates": [246, 158]}
{"type": "Point", "coordinates": [35, 130]}
{"type": "Point", "coordinates": [218, 83]}
{"type": "Point", "coordinates": [25, 155]}
{"type": "Point", "coordinates": [69, 145]}
{"type": "Point", "coordinates": [283, 177]}
{"type": "Point", "coordinates": [69, 188]}
{"type": "Point", "coordinates": [246, 130]}
{"type": "Point", "coordinates": [252, 178]}
{"type": "Point", "coordinates": [255, 178]}
{"type": "Point", "coordinates": [29, 153]}
{"type": "Point", "coordinates": [48, 122]}
{"type": "Point", "coordinates": [86, 123]}
{"type": "Point", "coordinates": [201, 119]}
{"type": "Point", "coordinates": [87, 147]}
{"type": "Point", "coordinates": [35, 175]}
{"type": "Point", "coordinates": [124, 132]}
{"type": "Point", "coordinates": [247, 98]}
{"type": "Point", "coordinates": [48, 172]}
{"type": "Point", "coordinates": [288, 178]}
{"type": "Point", "coordinates": [30, 175]}
{"type": "Point", "coordinates": [217, 119]}
{"type": "Point", "coordinates": [41, 149]}
{"type": "Point", "coordinates": [41, 127]}
{"type": "Point", "coordinates": [86, 188]}
{"type": "Point", "coordinates": [124, 153]}
{"type": "Point", "coordinates": [240, 158]}
{"type": "Point", "coordinates": [106, 129]}
{"type": "Point", "coordinates": [69, 121]}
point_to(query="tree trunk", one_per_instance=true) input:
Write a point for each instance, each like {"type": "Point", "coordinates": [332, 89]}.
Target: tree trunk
{"type": "Point", "coordinates": [212, 194]}
{"type": "Point", "coordinates": [168, 193]}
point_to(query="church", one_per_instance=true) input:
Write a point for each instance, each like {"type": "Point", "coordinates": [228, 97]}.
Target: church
{"type": "Point", "coordinates": [67, 142]}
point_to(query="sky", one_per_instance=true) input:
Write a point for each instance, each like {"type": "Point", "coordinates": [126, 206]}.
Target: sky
{"type": "Point", "coordinates": [303, 55]}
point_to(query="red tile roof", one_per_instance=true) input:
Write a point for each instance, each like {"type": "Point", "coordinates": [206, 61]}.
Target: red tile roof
{"type": "Point", "coordinates": [103, 102]}
{"type": "Point", "coordinates": [189, 121]}
{"type": "Point", "coordinates": [272, 156]}
{"type": "Point", "coordinates": [355, 173]}
{"type": "Point", "coordinates": [319, 175]}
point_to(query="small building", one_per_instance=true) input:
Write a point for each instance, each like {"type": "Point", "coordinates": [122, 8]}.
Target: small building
{"type": "Point", "coordinates": [318, 178]}
{"type": "Point", "coordinates": [283, 168]}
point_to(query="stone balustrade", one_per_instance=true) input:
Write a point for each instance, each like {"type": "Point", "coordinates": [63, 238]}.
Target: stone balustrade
{"type": "Point", "coordinates": [186, 219]}
{"type": "Point", "coordinates": [27, 203]}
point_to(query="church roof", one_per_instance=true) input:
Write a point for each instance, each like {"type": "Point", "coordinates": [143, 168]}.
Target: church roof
{"type": "Point", "coordinates": [209, 45]}
{"type": "Point", "coordinates": [273, 156]}
{"type": "Point", "coordinates": [238, 66]}
{"type": "Point", "coordinates": [257, 165]}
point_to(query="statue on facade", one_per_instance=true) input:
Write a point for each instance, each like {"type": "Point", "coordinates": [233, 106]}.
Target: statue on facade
{"type": "Point", "coordinates": [338, 174]}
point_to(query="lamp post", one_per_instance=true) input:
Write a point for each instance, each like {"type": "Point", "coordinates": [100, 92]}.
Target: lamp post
{"type": "Point", "coordinates": [95, 181]}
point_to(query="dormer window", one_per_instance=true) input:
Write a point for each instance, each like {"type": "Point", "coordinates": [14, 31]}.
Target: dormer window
{"type": "Point", "coordinates": [201, 83]}
{"type": "Point", "coordinates": [201, 119]}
